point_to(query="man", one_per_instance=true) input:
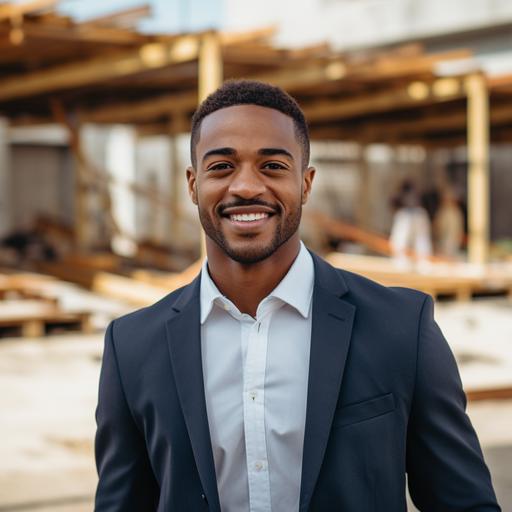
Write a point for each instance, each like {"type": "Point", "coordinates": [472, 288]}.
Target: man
{"type": "Point", "coordinates": [274, 381]}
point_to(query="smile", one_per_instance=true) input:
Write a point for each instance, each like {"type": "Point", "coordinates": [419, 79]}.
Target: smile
{"type": "Point", "coordinates": [248, 217]}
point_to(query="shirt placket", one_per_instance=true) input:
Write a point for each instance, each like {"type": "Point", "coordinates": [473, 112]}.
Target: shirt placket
{"type": "Point", "coordinates": [256, 334]}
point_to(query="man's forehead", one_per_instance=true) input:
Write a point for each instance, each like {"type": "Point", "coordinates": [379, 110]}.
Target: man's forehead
{"type": "Point", "coordinates": [241, 120]}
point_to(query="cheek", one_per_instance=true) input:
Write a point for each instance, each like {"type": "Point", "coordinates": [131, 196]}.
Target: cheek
{"type": "Point", "coordinates": [208, 195]}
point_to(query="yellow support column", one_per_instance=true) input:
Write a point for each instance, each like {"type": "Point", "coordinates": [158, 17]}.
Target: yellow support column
{"type": "Point", "coordinates": [478, 168]}
{"type": "Point", "coordinates": [210, 65]}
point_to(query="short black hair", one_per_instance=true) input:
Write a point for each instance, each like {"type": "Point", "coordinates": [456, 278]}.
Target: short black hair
{"type": "Point", "coordinates": [251, 92]}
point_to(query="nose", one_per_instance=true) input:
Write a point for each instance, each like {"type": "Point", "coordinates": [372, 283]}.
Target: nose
{"type": "Point", "coordinates": [247, 183]}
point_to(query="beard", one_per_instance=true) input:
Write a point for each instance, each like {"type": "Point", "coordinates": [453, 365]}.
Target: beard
{"type": "Point", "coordinates": [251, 252]}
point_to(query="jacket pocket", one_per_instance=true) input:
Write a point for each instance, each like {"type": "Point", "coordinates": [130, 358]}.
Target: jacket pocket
{"type": "Point", "coordinates": [362, 411]}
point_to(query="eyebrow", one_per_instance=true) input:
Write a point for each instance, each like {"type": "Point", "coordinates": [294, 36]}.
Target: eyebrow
{"type": "Point", "coordinates": [231, 151]}
{"type": "Point", "coordinates": [275, 151]}
{"type": "Point", "coordinates": [219, 151]}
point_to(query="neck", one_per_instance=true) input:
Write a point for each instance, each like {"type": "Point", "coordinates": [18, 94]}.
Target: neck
{"type": "Point", "coordinates": [246, 285]}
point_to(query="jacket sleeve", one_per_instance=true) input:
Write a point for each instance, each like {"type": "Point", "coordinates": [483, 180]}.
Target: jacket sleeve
{"type": "Point", "coordinates": [126, 482]}
{"type": "Point", "coordinates": [445, 465]}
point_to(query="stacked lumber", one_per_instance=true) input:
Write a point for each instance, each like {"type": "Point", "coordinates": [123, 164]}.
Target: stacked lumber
{"type": "Point", "coordinates": [457, 279]}
{"type": "Point", "coordinates": [28, 308]}
{"type": "Point", "coordinates": [112, 277]}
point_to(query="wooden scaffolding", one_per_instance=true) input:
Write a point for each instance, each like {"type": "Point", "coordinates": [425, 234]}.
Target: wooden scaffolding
{"type": "Point", "coordinates": [53, 69]}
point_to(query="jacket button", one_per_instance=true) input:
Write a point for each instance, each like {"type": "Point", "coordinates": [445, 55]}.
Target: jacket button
{"type": "Point", "coordinates": [203, 497]}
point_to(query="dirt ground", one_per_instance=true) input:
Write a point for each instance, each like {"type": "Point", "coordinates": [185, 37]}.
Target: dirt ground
{"type": "Point", "coordinates": [49, 389]}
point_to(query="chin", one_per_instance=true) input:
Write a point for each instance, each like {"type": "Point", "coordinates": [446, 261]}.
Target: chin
{"type": "Point", "coordinates": [250, 254]}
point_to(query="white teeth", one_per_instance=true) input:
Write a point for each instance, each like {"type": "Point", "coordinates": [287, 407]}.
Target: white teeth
{"type": "Point", "coordinates": [248, 217]}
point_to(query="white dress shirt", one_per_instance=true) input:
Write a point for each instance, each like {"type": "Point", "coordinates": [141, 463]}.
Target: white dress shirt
{"type": "Point", "coordinates": [256, 377]}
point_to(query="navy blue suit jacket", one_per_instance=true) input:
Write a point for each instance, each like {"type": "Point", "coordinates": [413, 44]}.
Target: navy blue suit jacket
{"type": "Point", "coordinates": [384, 400]}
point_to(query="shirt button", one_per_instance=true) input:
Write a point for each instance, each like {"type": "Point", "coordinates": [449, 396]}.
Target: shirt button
{"type": "Point", "coordinates": [258, 465]}
{"type": "Point", "coordinates": [253, 395]}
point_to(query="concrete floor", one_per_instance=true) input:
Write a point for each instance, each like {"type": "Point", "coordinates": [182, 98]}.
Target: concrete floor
{"type": "Point", "coordinates": [49, 389]}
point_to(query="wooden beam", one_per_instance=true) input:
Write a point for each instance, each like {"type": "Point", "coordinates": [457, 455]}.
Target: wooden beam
{"type": "Point", "coordinates": [80, 195]}
{"type": "Point", "coordinates": [478, 172]}
{"type": "Point", "coordinates": [140, 111]}
{"type": "Point", "coordinates": [210, 65]}
{"type": "Point", "coordinates": [80, 34]}
{"type": "Point", "coordinates": [294, 80]}
{"type": "Point", "coordinates": [497, 82]}
{"type": "Point", "coordinates": [291, 80]}
{"type": "Point", "coordinates": [331, 69]}
{"type": "Point", "coordinates": [148, 57]}
{"type": "Point", "coordinates": [15, 10]}
{"type": "Point", "coordinates": [371, 103]}
{"type": "Point", "coordinates": [126, 18]}
{"type": "Point", "coordinates": [250, 36]}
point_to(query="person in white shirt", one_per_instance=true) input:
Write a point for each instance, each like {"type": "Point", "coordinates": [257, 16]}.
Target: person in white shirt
{"type": "Point", "coordinates": [410, 232]}
{"type": "Point", "coordinates": [274, 382]}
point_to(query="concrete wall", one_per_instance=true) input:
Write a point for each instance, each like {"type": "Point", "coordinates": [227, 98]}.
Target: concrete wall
{"type": "Point", "coordinates": [347, 23]}
{"type": "Point", "coordinates": [155, 222]}
{"type": "Point", "coordinates": [41, 183]}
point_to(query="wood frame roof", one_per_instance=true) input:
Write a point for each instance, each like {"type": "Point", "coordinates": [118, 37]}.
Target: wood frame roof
{"type": "Point", "coordinates": [53, 69]}
{"type": "Point", "coordinates": [104, 71]}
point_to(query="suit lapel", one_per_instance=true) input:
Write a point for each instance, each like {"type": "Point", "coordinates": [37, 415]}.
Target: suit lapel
{"type": "Point", "coordinates": [184, 338]}
{"type": "Point", "coordinates": [330, 339]}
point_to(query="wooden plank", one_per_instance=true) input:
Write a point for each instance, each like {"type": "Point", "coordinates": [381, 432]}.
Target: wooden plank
{"type": "Point", "coordinates": [479, 171]}
{"type": "Point", "coordinates": [371, 103]}
{"type": "Point", "coordinates": [14, 10]}
{"type": "Point", "coordinates": [150, 56]}
{"type": "Point", "coordinates": [293, 81]}
{"type": "Point", "coordinates": [81, 217]}
{"type": "Point", "coordinates": [341, 229]}
{"type": "Point", "coordinates": [141, 111]}
{"type": "Point", "coordinates": [32, 329]}
{"type": "Point", "coordinates": [504, 393]}
{"type": "Point", "coordinates": [78, 33]}
{"type": "Point", "coordinates": [210, 72]}
{"type": "Point", "coordinates": [33, 315]}
{"type": "Point", "coordinates": [247, 36]}
{"type": "Point", "coordinates": [126, 18]}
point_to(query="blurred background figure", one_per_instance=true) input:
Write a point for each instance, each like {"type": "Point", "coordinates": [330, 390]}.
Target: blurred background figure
{"type": "Point", "coordinates": [448, 226]}
{"type": "Point", "coordinates": [410, 236]}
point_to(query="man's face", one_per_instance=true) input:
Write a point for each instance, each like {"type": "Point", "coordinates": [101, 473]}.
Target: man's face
{"type": "Point", "coordinates": [248, 183]}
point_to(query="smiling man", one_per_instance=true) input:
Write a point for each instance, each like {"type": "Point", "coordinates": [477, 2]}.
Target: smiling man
{"type": "Point", "coordinates": [274, 382]}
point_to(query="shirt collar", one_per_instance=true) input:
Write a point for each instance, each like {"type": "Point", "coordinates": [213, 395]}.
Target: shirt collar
{"type": "Point", "coordinates": [295, 289]}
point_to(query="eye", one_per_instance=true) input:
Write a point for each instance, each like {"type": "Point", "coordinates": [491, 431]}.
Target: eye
{"type": "Point", "coordinates": [220, 166]}
{"type": "Point", "coordinates": [274, 166]}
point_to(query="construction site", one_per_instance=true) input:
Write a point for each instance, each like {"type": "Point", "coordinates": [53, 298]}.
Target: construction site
{"type": "Point", "coordinates": [95, 218]}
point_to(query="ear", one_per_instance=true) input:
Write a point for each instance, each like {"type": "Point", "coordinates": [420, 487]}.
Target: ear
{"type": "Point", "coordinates": [192, 184]}
{"type": "Point", "coordinates": [307, 183]}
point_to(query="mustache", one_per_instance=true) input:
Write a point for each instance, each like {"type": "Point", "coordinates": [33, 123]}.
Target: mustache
{"type": "Point", "coordinates": [247, 202]}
